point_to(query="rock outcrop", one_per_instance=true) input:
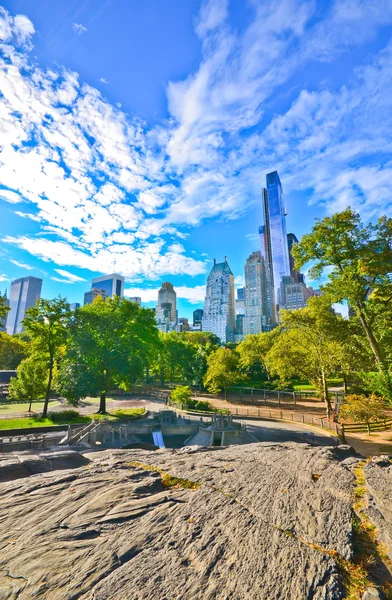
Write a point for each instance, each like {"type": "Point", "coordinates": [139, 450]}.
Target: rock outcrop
{"type": "Point", "coordinates": [262, 521]}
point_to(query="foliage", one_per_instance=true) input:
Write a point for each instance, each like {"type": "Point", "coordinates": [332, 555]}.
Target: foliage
{"type": "Point", "coordinates": [111, 342]}
{"type": "Point", "coordinates": [379, 382]}
{"type": "Point", "coordinates": [254, 349]}
{"type": "Point", "coordinates": [30, 381]}
{"type": "Point", "coordinates": [3, 308]}
{"type": "Point", "coordinates": [46, 323]}
{"type": "Point", "coordinates": [181, 394]}
{"type": "Point", "coordinates": [359, 259]}
{"type": "Point", "coordinates": [13, 350]}
{"type": "Point", "coordinates": [360, 409]}
{"type": "Point", "coordinates": [308, 345]}
{"type": "Point", "coordinates": [223, 370]}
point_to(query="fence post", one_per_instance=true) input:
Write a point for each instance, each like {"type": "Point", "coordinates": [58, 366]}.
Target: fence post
{"type": "Point", "coordinates": [259, 411]}
{"type": "Point", "coordinates": [303, 417]}
{"type": "Point", "coordinates": [270, 414]}
{"type": "Point", "coordinates": [322, 423]}
{"type": "Point", "coordinates": [295, 401]}
{"type": "Point", "coordinates": [292, 416]}
{"type": "Point", "coordinates": [281, 415]}
{"type": "Point", "coordinates": [368, 428]}
{"type": "Point", "coordinates": [251, 391]}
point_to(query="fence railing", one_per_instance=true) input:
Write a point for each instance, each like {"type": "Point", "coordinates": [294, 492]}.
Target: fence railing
{"type": "Point", "coordinates": [369, 427]}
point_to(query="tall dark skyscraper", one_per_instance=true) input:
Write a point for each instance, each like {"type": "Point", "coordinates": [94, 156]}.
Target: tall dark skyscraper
{"type": "Point", "coordinates": [296, 275]}
{"type": "Point", "coordinates": [273, 235]}
{"type": "Point", "coordinates": [23, 295]}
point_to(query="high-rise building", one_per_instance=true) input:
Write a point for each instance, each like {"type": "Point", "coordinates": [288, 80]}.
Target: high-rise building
{"type": "Point", "coordinates": [4, 320]}
{"type": "Point", "coordinates": [136, 299]}
{"type": "Point", "coordinates": [76, 305]}
{"type": "Point", "coordinates": [273, 235]}
{"type": "Point", "coordinates": [90, 296]}
{"type": "Point", "coordinates": [166, 310]}
{"type": "Point", "coordinates": [113, 284]}
{"type": "Point", "coordinates": [219, 305]}
{"type": "Point", "coordinates": [296, 275]}
{"type": "Point", "coordinates": [293, 295]}
{"type": "Point", "coordinates": [240, 301]}
{"type": "Point", "coordinates": [182, 324]}
{"type": "Point", "coordinates": [259, 300]}
{"type": "Point", "coordinates": [24, 294]}
{"type": "Point", "coordinates": [197, 316]}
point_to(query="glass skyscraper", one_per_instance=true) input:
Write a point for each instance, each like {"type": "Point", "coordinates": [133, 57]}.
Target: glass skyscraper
{"type": "Point", "coordinates": [113, 285]}
{"type": "Point", "coordinates": [273, 235]}
{"type": "Point", "coordinates": [24, 294]}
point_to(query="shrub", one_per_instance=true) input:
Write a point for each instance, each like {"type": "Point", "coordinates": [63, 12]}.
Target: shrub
{"type": "Point", "coordinates": [64, 416]}
{"type": "Point", "coordinates": [181, 394]}
{"type": "Point", "coordinates": [362, 409]}
{"type": "Point", "coordinates": [202, 405]}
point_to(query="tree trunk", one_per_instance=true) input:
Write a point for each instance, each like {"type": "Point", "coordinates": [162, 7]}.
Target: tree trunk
{"type": "Point", "coordinates": [372, 340]}
{"type": "Point", "coordinates": [102, 404]}
{"type": "Point", "coordinates": [47, 395]}
{"type": "Point", "coordinates": [225, 393]}
{"type": "Point", "coordinates": [30, 406]}
{"type": "Point", "coordinates": [326, 395]}
{"type": "Point", "coordinates": [345, 383]}
{"type": "Point", "coordinates": [162, 376]}
{"type": "Point", "coordinates": [147, 374]}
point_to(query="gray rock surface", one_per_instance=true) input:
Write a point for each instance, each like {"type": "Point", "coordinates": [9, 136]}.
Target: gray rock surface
{"type": "Point", "coordinates": [110, 530]}
{"type": "Point", "coordinates": [378, 475]}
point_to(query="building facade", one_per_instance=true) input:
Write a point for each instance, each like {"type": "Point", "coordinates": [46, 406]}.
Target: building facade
{"type": "Point", "coordinates": [197, 317]}
{"type": "Point", "coordinates": [136, 299]}
{"type": "Point", "coordinates": [90, 296]}
{"type": "Point", "coordinates": [166, 310]}
{"type": "Point", "coordinates": [293, 295]}
{"type": "Point", "coordinates": [273, 234]}
{"type": "Point", "coordinates": [219, 305]}
{"type": "Point", "coordinates": [74, 306]}
{"type": "Point", "coordinates": [24, 294]}
{"type": "Point", "coordinates": [296, 275]}
{"type": "Point", "coordinates": [259, 298]}
{"type": "Point", "coordinates": [113, 284]}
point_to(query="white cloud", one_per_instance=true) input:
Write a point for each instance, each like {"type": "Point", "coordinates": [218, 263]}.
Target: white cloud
{"type": "Point", "coordinates": [18, 29]}
{"type": "Point", "coordinates": [104, 81]}
{"type": "Point", "coordinates": [22, 265]}
{"type": "Point", "coordinates": [70, 276]}
{"type": "Point", "coordinates": [239, 281]}
{"type": "Point", "coordinates": [3, 277]}
{"type": "Point", "coordinates": [194, 295]}
{"type": "Point", "coordinates": [62, 280]}
{"type": "Point", "coordinates": [79, 28]}
{"type": "Point", "coordinates": [10, 196]}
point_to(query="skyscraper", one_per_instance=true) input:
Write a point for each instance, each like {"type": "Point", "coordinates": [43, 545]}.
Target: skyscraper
{"type": "Point", "coordinates": [296, 275]}
{"type": "Point", "coordinates": [166, 310]}
{"type": "Point", "coordinates": [197, 316]}
{"type": "Point", "coordinates": [219, 305]}
{"type": "Point", "coordinates": [24, 294]}
{"type": "Point", "coordinates": [90, 296]}
{"type": "Point", "coordinates": [259, 300]}
{"type": "Point", "coordinates": [112, 284]}
{"type": "Point", "coordinates": [273, 235]}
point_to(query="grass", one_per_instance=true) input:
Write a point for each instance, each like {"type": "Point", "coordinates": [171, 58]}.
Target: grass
{"type": "Point", "coordinates": [66, 417]}
{"type": "Point", "coordinates": [16, 408]}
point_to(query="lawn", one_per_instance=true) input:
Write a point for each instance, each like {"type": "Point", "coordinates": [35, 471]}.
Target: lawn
{"type": "Point", "coordinates": [68, 417]}
{"type": "Point", "coordinates": [16, 408]}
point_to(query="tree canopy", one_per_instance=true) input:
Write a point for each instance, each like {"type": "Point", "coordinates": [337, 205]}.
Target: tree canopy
{"type": "Point", "coordinates": [223, 370]}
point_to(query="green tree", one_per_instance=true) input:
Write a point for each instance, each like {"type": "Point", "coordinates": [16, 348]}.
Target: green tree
{"type": "Point", "coordinates": [359, 259]}
{"type": "Point", "coordinates": [360, 409]}
{"type": "Point", "coordinates": [223, 370]}
{"type": "Point", "coordinates": [308, 346]}
{"type": "Point", "coordinates": [30, 381]}
{"type": "Point", "coordinates": [3, 308]}
{"type": "Point", "coordinates": [12, 350]}
{"type": "Point", "coordinates": [254, 349]}
{"type": "Point", "coordinates": [110, 342]}
{"type": "Point", "coordinates": [47, 323]}
{"type": "Point", "coordinates": [181, 394]}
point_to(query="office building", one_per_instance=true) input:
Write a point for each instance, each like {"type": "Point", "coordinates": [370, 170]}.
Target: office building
{"type": "Point", "coordinates": [295, 274]}
{"type": "Point", "coordinates": [136, 299]}
{"type": "Point", "coordinates": [90, 296]}
{"type": "Point", "coordinates": [182, 324]}
{"type": "Point", "coordinates": [112, 285]}
{"type": "Point", "coordinates": [239, 328]}
{"type": "Point", "coordinates": [219, 305]}
{"type": "Point", "coordinates": [293, 295]}
{"type": "Point", "coordinates": [259, 298]}
{"type": "Point", "coordinates": [166, 310]}
{"type": "Point", "coordinates": [273, 235]}
{"type": "Point", "coordinates": [75, 305]}
{"type": "Point", "coordinates": [24, 294]}
{"type": "Point", "coordinates": [4, 320]}
{"type": "Point", "coordinates": [197, 317]}
{"type": "Point", "coordinates": [240, 301]}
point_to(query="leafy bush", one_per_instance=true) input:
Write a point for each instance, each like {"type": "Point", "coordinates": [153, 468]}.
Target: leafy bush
{"type": "Point", "coordinates": [202, 405]}
{"type": "Point", "coordinates": [65, 416]}
{"type": "Point", "coordinates": [360, 409]}
{"type": "Point", "coordinates": [181, 394]}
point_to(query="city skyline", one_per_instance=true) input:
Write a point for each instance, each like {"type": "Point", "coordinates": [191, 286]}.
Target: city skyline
{"type": "Point", "coordinates": [145, 155]}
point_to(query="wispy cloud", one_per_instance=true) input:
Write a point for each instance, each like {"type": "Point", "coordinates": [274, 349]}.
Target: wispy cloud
{"type": "Point", "coordinates": [103, 80]}
{"type": "Point", "coordinates": [194, 295]}
{"type": "Point", "coordinates": [79, 28]}
{"type": "Point", "coordinates": [115, 205]}
{"type": "Point", "coordinates": [69, 276]}
{"type": "Point", "coordinates": [22, 265]}
{"type": "Point", "coordinates": [3, 277]}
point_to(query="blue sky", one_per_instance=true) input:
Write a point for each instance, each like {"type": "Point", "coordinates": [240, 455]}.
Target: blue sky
{"type": "Point", "coordinates": [135, 136]}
